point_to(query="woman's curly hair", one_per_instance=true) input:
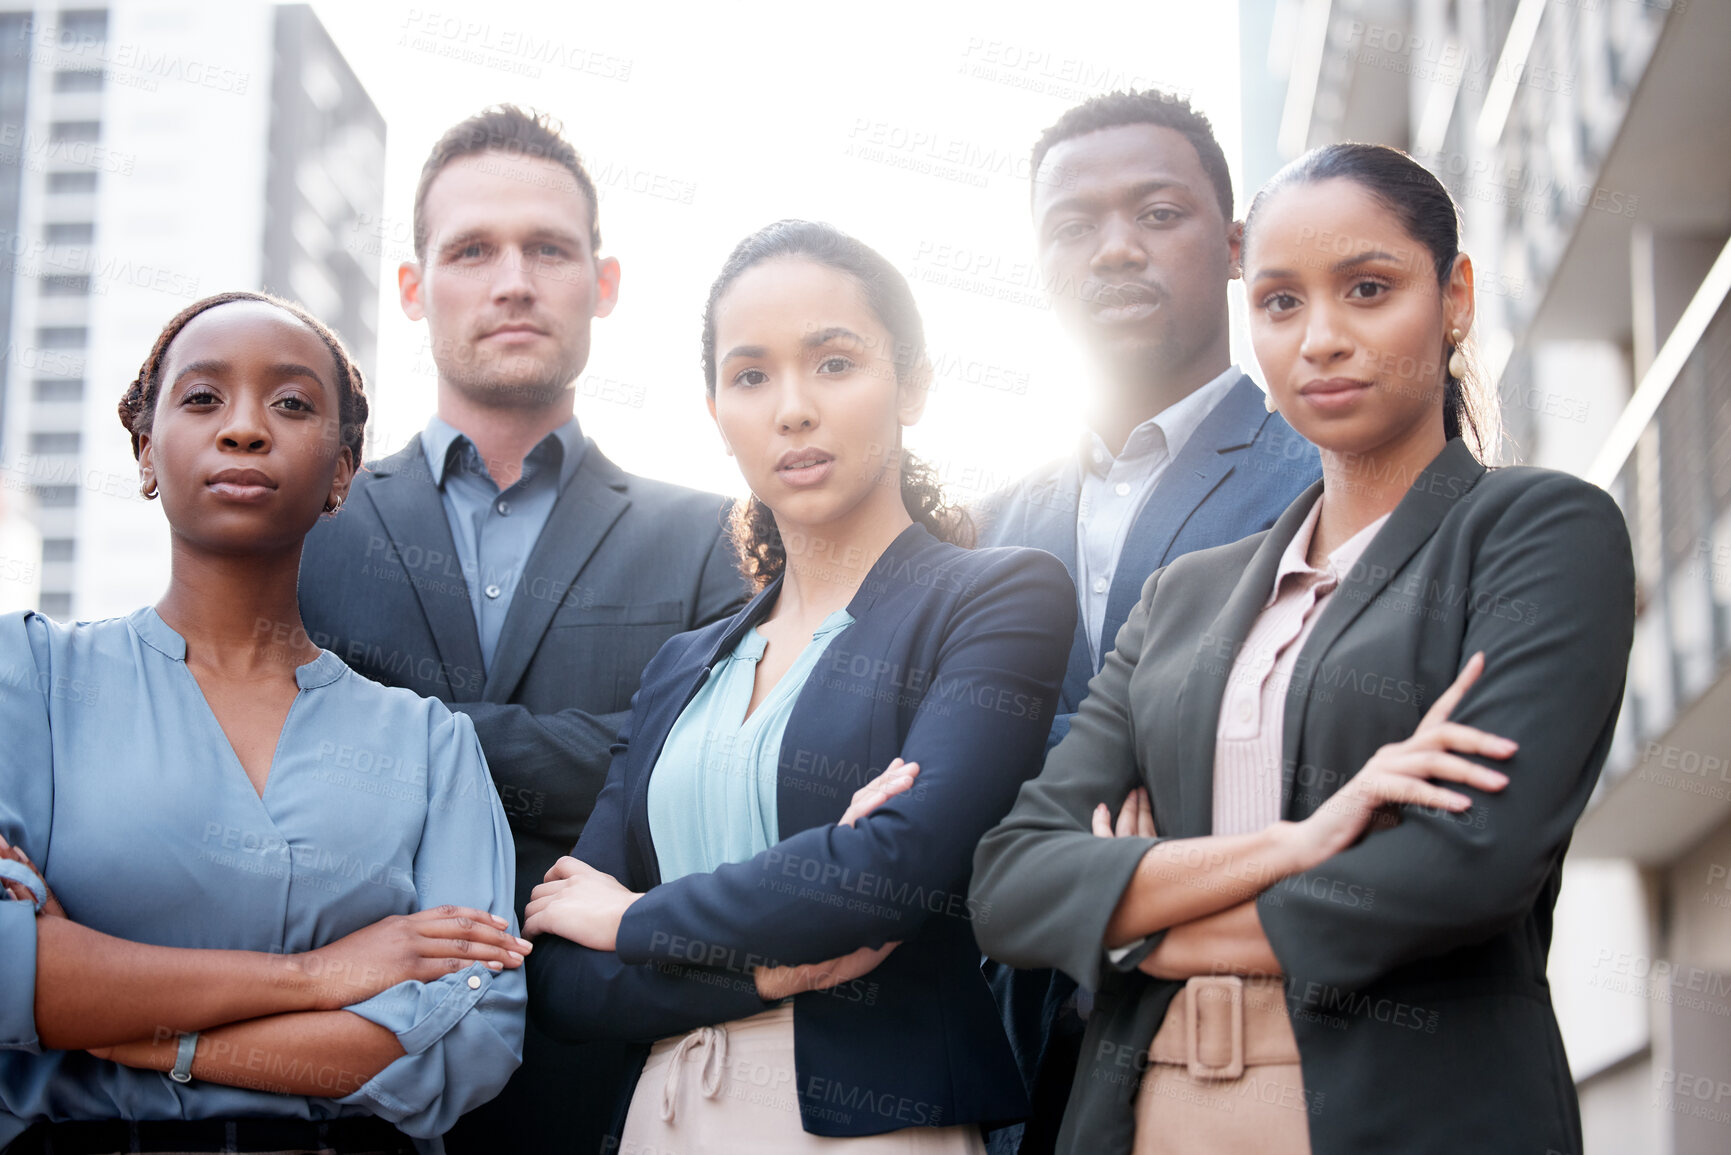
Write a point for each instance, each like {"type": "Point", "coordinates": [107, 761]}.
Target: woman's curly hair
{"type": "Point", "coordinates": [762, 554]}
{"type": "Point", "coordinates": [138, 405]}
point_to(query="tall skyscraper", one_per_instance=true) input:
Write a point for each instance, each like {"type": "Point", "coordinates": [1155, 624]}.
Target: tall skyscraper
{"type": "Point", "coordinates": [153, 152]}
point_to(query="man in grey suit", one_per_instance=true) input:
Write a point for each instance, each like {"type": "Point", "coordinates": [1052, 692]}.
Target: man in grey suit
{"type": "Point", "coordinates": [1132, 207]}
{"type": "Point", "coordinates": [499, 561]}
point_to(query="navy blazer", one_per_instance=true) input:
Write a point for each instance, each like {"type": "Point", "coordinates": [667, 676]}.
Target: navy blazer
{"type": "Point", "coordinates": [1236, 474]}
{"type": "Point", "coordinates": [953, 661]}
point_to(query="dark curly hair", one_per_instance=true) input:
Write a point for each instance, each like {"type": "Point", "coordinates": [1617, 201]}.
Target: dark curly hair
{"type": "Point", "coordinates": [762, 555]}
{"type": "Point", "coordinates": [138, 405]}
{"type": "Point", "coordinates": [1425, 210]}
{"type": "Point", "coordinates": [1150, 106]}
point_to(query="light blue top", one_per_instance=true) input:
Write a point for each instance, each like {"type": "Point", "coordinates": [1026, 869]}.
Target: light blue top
{"type": "Point", "coordinates": [495, 532]}
{"type": "Point", "coordinates": [712, 792]}
{"type": "Point", "coordinates": [117, 780]}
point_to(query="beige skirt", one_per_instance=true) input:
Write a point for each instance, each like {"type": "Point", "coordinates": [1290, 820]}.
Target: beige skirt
{"type": "Point", "coordinates": [1223, 1076]}
{"type": "Point", "coordinates": [730, 1090]}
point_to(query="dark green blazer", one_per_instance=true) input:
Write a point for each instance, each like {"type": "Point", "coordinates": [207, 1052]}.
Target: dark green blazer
{"type": "Point", "coordinates": [1415, 960]}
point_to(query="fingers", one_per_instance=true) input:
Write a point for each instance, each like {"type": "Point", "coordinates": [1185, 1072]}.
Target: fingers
{"type": "Point", "coordinates": [896, 777]}
{"type": "Point", "coordinates": [1404, 791]}
{"type": "Point", "coordinates": [565, 868]}
{"type": "Point", "coordinates": [1454, 768]}
{"type": "Point", "coordinates": [1136, 819]}
{"type": "Point", "coordinates": [1144, 814]}
{"type": "Point", "coordinates": [437, 913]}
{"type": "Point", "coordinates": [1102, 821]}
{"type": "Point", "coordinates": [1126, 825]}
{"type": "Point", "coordinates": [1451, 697]}
{"type": "Point", "coordinates": [464, 937]}
{"type": "Point", "coordinates": [1468, 740]}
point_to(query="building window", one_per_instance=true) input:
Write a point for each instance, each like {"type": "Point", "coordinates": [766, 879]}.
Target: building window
{"type": "Point", "coordinates": [54, 443]}
{"type": "Point", "coordinates": [57, 606]}
{"type": "Point", "coordinates": [59, 549]}
{"type": "Point", "coordinates": [59, 389]}
{"type": "Point", "coordinates": [62, 337]}
{"type": "Point", "coordinates": [71, 182]}
{"type": "Point", "coordinates": [78, 80]}
{"type": "Point", "coordinates": [74, 131]}
{"type": "Point", "coordinates": [57, 496]}
{"type": "Point", "coordinates": [69, 232]}
{"type": "Point", "coordinates": [65, 286]}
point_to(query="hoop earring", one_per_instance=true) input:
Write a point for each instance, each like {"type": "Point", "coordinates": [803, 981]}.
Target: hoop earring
{"type": "Point", "coordinates": [1457, 362]}
{"type": "Point", "coordinates": [147, 489]}
{"type": "Point", "coordinates": [332, 505]}
{"type": "Point", "coordinates": [1268, 401]}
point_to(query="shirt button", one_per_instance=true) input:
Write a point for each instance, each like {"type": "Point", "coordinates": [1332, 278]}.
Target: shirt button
{"type": "Point", "coordinates": [1099, 456]}
{"type": "Point", "coordinates": [1246, 711]}
{"type": "Point", "coordinates": [1122, 489]}
{"type": "Point", "coordinates": [493, 591]}
{"type": "Point", "coordinates": [503, 506]}
{"type": "Point", "coordinates": [1099, 585]}
{"type": "Point", "coordinates": [474, 982]}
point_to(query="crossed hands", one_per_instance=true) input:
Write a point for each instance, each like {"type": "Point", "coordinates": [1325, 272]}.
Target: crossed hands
{"type": "Point", "coordinates": [577, 902]}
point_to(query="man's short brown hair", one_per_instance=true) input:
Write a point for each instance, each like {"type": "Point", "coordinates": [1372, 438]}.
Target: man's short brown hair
{"type": "Point", "coordinates": [508, 129]}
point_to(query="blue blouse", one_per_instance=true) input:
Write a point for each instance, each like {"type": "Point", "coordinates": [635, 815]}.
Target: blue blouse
{"type": "Point", "coordinates": [712, 791]}
{"type": "Point", "coordinates": [117, 780]}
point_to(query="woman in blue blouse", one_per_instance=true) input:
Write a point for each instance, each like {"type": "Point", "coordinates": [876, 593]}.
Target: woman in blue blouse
{"type": "Point", "coordinates": [259, 903]}
{"type": "Point", "coordinates": [790, 925]}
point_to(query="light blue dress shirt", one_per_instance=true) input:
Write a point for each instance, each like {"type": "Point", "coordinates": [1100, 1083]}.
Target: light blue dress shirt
{"type": "Point", "coordinates": [712, 792]}
{"type": "Point", "coordinates": [1115, 488]}
{"type": "Point", "coordinates": [494, 531]}
{"type": "Point", "coordinates": [118, 781]}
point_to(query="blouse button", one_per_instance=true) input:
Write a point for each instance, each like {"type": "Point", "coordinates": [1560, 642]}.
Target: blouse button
{"type": "Point", "coordinates": [1246, 711]}
{"type": "Point", "coordinates": [474, 982]}
{"type": "Point", "coordinates": [1122, 489]}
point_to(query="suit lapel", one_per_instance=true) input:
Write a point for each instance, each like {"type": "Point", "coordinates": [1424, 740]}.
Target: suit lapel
{"type": "Point", "coordinates": [585, 511]}
{"type": "Point", "coordinates": [1215, 653]}
{"type": "Point", "coordinates": [1047, 520]}
{"type": "Point", "coordinates": [1432, 495]}
{"type": "Point", "coordinates": [413, 514]}
{"type": "Point", "coordinates": [1206, 460]}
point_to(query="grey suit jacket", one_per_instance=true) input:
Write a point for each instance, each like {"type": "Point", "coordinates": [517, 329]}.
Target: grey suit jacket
{"type": "Point", "coordinates": [1414, 961]}
{"type": "Point", "coordinates": [623, 564]}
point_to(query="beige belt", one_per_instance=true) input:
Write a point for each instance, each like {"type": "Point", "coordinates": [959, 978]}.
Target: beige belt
{"type": "Point", "coordinates": [1220, 1024]}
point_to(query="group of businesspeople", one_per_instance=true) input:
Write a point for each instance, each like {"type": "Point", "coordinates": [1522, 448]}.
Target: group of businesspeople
{"type": "Point", "coordinates": [1204, 792]}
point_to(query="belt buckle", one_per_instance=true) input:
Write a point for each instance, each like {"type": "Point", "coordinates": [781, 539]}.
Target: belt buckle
{"type": "Point", "coordinates": [1230, 989]}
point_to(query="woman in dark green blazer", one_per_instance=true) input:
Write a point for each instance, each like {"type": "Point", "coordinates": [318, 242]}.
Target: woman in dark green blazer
{"type": "Point", "coordinates": [1445, 720]}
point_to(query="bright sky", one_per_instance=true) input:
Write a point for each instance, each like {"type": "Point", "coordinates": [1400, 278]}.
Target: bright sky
{"type": "Point", "coordinates": [906, 124]}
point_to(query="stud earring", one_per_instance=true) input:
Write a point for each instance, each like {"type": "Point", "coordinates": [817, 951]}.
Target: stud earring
{"type": "Point", "coordinates": [1457, 362]}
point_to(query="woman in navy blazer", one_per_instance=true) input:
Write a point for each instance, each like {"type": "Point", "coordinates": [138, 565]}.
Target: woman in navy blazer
{"type": "Point", "coordinates": [951, 660]}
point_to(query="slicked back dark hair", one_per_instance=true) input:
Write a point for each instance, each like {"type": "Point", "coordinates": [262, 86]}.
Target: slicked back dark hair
{"type": "Point", "coordinates": [762, 554]}
{"type": "Point", "coordinates": [1149, 106]}
{"type": "Point", "coordinates": [514, 131]}
{"type": "Point", "coordinates": [138, 404]}
{"type": "Point", "coordinates": [1421, 204]}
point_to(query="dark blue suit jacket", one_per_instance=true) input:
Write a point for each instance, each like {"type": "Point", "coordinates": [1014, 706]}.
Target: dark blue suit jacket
{"type": "Point", "coordinates": [1236, 474]}
{"type": "Point", "coordinates": [953, 661]}
{"type": "Point", "coordinates": [1234, 477]}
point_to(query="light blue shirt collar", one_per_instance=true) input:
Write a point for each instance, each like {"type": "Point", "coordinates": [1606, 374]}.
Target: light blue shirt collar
{"type": "Point", "coordinates": [440, 435]}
